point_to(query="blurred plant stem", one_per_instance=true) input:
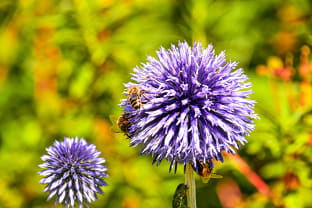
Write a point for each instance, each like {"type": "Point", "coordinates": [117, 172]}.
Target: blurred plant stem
{"type": "Point", "coordinates": [190, 182]}
{"type": "Point", "coordinates": [291, 95]}
{"type": "Point", "coordinates": [276, 96]}
{"type": "Point", "coordinates": [251, 175]}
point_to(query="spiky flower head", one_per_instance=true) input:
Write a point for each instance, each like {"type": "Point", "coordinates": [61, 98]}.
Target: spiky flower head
{"type": "Point", "coordinates": [194, 105]}
{"type": "Point", "coordinates": [73, 172]}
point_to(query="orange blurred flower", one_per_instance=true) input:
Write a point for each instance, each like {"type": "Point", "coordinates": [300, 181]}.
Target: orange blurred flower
{"type": "Point", "coordinates": [130, 202]}
{"type": "Point", "coordinates": [291, 181]}
{"type": "Point", "coordinates": [229, 193]}
{"type": "Point", "coordinates": [285, 41]}
{"type": "Point", "coordinates": [275, 68]}
{"type": "Point", "coordinates": [284, 73]}
{"type": "Point", "coordinates": [262, 70]}
{"type": "Point", "coordinates": [103, 132]}
{"type": "Point", "coordinates": [309, 142]}
{"type": "Point", "coordinates": [305, 68]}
{"type": "Point", "coordinates": [305, 93]}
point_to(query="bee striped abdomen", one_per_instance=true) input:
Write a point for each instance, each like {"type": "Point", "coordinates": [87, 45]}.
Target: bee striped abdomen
{"type": "Point", "coordinates": [135, 101]}
{"type": "Point", "coordinates": [135, 97]}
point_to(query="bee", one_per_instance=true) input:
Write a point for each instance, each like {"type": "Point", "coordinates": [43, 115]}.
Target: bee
{"type": "Point", "coordinates": [180, 197]}
{"type": "Point", "coordinates": [121, 124]}
{"type": "Point", "coordinates": [134, 97]}
{"type": "Point", "coordinates": [205, 171]}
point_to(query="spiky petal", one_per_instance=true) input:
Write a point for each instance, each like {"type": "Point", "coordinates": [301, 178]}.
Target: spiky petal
{"type": "Point", "coordinates": [73, 172]}
{"type": "Point", "coordinates": [195, 105]}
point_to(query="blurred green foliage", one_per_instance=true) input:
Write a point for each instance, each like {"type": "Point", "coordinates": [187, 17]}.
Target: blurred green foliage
{"type": "Point", "coordinates": [62, 68]}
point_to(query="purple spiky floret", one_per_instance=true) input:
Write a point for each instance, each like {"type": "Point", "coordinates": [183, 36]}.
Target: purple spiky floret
{"type": "Point", "coordinates": [73, 172]}
{"type": "Point", "coordinates": [195, 105]}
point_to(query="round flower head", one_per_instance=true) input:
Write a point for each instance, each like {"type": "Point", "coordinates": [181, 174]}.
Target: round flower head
{"type": "Point", "coordinates": [193, 105]}
{"type": "Point", "coordinates": [73, 172]}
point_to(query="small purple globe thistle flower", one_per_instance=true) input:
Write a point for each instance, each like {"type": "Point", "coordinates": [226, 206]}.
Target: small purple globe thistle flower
{"type": "Point", "coordinates": [194, 105]}
{"type": "Point", "coordinates": [73, 172]}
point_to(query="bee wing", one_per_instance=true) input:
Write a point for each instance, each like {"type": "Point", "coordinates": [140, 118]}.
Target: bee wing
{"type": "Point", "coordinates": [114, 127]}
{"type": "Point", "coordinates": [204, 179]}
{"type": "Point", "coordinates": [212, 175]}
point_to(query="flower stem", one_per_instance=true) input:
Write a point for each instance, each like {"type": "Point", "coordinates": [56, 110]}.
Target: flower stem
{"type": "Point", "coordinates": [190, 182]}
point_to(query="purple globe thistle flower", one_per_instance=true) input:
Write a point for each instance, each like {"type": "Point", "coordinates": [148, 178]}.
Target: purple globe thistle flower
{"type": "Point", "coordinates": [73, 172]}
{"type": "Point", "coordinates": [194, 105]}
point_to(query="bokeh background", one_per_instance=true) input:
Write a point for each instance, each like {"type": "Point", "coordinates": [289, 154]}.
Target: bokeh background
{"type": "Point", "coordinates": [62, 68]}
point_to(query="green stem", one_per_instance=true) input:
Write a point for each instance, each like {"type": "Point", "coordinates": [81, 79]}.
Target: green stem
{"type": "Point", "coordinates": [190, 182]}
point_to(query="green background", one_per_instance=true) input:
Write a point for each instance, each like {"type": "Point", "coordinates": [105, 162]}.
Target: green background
{"type": "Point", "coordinates": [62, 68]}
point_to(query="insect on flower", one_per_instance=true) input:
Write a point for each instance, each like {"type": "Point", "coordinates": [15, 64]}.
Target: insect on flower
{"type": "Point", "coordinates": [204, 170]}
{"type": "Point", "coordinates": [134, 97]}
{"type": "Point", "coordinates": [73, 172]}
{"type": "Point", "coordinates": [121, 124]}
{"type": "Point", "coordinates": [180, 198]}
{"type": "Point", "coordinates": [198, 105]}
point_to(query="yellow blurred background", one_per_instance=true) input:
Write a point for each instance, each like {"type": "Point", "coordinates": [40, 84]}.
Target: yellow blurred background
{"type": "Point", "coordinates": [62, 68]}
